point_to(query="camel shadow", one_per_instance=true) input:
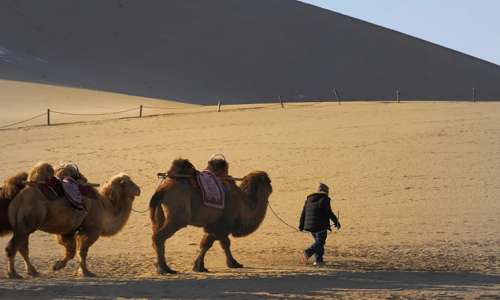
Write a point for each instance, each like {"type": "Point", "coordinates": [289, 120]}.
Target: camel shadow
{"type": "Point", "coordinates": [304, 285]}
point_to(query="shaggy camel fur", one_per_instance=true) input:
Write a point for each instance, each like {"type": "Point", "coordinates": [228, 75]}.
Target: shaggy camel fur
{"type": "Point", "coordinates": [76, 231]}
{"type": "Point", "coordinates": [172, 208]}
{"type": "Point", "coordinates": [10, 188]}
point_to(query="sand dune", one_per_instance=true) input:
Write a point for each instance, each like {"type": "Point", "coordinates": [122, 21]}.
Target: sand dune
{"type": "Point", "coordinates": [416, 185]}
{"type": "Point", "coordinates": [201, 52]}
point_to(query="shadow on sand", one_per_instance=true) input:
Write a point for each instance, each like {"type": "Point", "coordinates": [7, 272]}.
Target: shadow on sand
{"type": "Point", "coordinates": [286, 286]}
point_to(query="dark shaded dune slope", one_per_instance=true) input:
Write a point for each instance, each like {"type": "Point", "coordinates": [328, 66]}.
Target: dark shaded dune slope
{"type": "Point", "coordinates": [236, 51]}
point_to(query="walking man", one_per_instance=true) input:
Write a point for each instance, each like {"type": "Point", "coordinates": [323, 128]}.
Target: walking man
{"type": "Point", "coordinates": [315, 218]}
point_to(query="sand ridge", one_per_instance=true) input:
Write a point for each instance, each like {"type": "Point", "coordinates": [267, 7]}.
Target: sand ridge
{"type": "Point", "coordinates": [237, 52]}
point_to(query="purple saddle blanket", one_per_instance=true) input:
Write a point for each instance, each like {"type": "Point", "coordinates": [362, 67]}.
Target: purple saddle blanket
{"type": "Point", "coordinates": [69, 188]}
{"type": "Point", "coordinates": [211, 188]}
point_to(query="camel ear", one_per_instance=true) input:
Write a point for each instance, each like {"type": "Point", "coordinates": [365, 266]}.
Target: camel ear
{"type": "Point", "coordinates": [122, 182]}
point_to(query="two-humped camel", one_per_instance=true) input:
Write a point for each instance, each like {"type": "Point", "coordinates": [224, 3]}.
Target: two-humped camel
{"type": "Point", "coordinates": [172, 207]}
{"type": "Point", "coordinates": [76, 230]}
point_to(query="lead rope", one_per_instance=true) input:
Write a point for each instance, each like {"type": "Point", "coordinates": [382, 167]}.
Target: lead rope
{"type": "Point", "coordinates": [296, 229]}
{"type": "Point", "coordinates": [141, 212]}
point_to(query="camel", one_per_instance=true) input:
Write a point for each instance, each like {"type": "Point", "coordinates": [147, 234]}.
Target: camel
{"type": "Point", "coordinates": [10, 188]}
{"type": "Point", "coordinates": [75, 230]}
{"type": "Point", "coordinates": [172, 208]}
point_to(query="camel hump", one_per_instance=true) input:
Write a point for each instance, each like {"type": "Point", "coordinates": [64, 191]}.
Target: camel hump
{"type": "Point", "coordinates": [182, 166]}
{"type": "Point", "coordinates": [41, 171]}
{"type": "Point", "coordinates": [12, 186]}
{"type": "Point", "coordinates": [219, 167]}
{"type": "Point", "coordinates": [69, 170]}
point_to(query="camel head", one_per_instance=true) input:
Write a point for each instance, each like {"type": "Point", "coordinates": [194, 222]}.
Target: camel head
{"type": "Point", "coordinates": [41, 171]}
{"type": "Point", "coordinates": [11, 186]}
{"type": "Point", "coordinates": [256, 185]}
{"type": "Point", "coordinates": [120, 187]}
{"type": "Point", "coordinates": [181, 166]}
{"type": "Point", "coordinates": [68, 170]}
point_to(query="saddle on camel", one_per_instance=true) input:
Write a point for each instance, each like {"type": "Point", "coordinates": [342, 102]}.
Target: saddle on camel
{"type": "Point", "coordinates": [213, 181]}
{"type": "Point", "coordinates": [74, 187]}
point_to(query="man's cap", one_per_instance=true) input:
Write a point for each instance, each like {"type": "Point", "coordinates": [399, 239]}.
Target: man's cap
{"type": "Point", "coordinates": [322, 188]}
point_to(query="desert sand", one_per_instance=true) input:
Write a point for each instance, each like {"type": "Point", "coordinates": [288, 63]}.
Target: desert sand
{"type": "Point", "coordinates": [415, 185]}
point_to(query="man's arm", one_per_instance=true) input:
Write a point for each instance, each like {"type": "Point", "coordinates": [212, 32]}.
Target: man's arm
{"type": "Point", "coordinates": [325, 205]}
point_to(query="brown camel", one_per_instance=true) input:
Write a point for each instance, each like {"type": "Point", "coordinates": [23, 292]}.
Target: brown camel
{"type": "Point", "coordinates": [76, 230]}
{"type": "Point", "coordinates": [10, 188]}
{"type": "Point", "coordinates": [172, 208]}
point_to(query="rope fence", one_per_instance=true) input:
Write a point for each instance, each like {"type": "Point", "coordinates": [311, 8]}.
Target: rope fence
{"type": "Point", "coordinates": [291, 101]}
{"type": "Point", "coordinates": [22, 121]}
{"type": "Point", "coordinates": [102, 114]}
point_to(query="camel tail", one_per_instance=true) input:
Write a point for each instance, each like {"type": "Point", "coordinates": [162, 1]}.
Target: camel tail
{"type": "Point", "coordinates": [14, 226]}
{"type": "Point", "coordinates": [14, 231]}
{"type": "Point", "coordinates": [5, 230]}
{"type": "Point", "coordinates": [153, 204]}
{"type": "Point", "coordinates": [5, 227]}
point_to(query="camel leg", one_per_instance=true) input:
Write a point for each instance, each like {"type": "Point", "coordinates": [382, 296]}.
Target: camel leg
{"type": "Point", "coordinates": [205, 244]}
{"type": "Point", "coordinates": [226, 246]}
{"type": "Point", "coordinates": [15, 243]}
{"type": "Point", "coordinates": [159, 238]}
{"type": "Point", "coordinates": [85, 240]}
{"type": "Point", "coordinates": [25, 251]}
{"type": "Point", "coordinates": [27, 223]}
{"type": "Point", "coordinates": [68, 241]}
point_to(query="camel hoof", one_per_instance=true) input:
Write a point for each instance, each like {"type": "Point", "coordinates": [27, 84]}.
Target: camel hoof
{"type": "Point", "coordinates": [33, 273]}
{"type": "Point", "coordinates": [167, 271]}
{"type": "Point", "coordinates": [82, 273]}
{"type": "Point", "coordinates": [200, 269]}
{"type": "Point", "coordinates": [234, 265]}
{"type": "Point", "coordinates": [58, 265]}
{"type": "Point", "coordinates": [163, 271]}
{"type": "Point", "coordinates": [15, 276]}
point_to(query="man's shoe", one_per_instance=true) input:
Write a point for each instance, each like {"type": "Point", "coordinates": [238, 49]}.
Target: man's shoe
{"type": "Point", "coordinates": [304, 256]}
{"type": "Point", "coordinates": [319, 263]}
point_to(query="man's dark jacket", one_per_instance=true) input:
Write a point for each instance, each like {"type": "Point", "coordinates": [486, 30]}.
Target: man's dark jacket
{"type": "Point", "coordinates": [317, 213]}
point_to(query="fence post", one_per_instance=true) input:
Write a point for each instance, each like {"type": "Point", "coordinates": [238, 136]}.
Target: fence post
{"type": "Point", "coordinates": [397, 95]}
{"type": "Point", "coordinates": [281, 101]}
{"type": "Point", "coordinates": [218, 106]}
{"type": "Point", "coordinates": [336, 95]}
{"type": "Point", "coordinates": [140, 112]}
{"type": "Point", "coordinates": [473, 94]}
{"type": "Point", "coordinates": [48, 117]}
